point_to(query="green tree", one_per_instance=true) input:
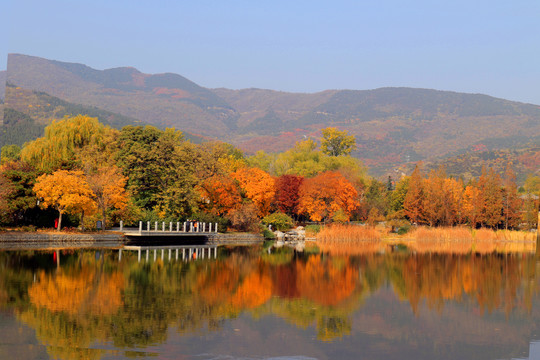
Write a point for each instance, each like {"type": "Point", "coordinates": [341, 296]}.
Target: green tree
{"type": "Point", "coordinates": [16, 195]}
{"type": "Point", "coordinates": [9, 153]}
{"type": "Point", "coordinates": [336, 143]}
{"type": "Point", "coordinates": [160, 168]}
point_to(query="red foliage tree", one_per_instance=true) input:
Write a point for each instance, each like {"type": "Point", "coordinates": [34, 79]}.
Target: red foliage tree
{"type": "Point", "coordinates": [287, 193]}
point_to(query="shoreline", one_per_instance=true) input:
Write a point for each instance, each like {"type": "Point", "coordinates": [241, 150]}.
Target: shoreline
{"type": "Point", "coordinates": [20, 240]}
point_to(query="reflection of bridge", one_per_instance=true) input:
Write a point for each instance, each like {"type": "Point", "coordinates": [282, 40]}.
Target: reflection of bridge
{"type": "Point", "coordinates": [184, 253]}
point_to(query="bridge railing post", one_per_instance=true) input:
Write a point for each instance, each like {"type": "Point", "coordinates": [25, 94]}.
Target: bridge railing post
{"type": "Point", "coordinates": [155, 226]}
{"type": "Point", "coordinates": [148, 226]}
{"type": "Point", "coordinates": [170, 226]}
{"type": "Point", "coordinates": [121, 225]}
{"type": "Point", "coordinates": [140, 227]}
{"type": "Point", "coordinates": [216, 228]}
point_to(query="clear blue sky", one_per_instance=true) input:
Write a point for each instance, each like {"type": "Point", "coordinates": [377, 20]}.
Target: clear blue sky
{"type": "Point", "coordinates": [490, 47]}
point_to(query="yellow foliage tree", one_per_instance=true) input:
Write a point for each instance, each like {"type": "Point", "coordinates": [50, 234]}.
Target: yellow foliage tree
{"type": "Point", "coordinates": [62, 140]}
{"type": "Point", "coordinates": [67, 192]}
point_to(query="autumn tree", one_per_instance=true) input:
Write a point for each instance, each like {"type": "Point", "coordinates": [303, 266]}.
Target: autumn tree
{"type": "Point", "coordinates": [336, 143]}
{"type": "Point", "coordinates": [473, 203]}
{"type": "Point", "coordinates": [108, 186]}
{"type": "Point", "coordinates": [219, 195]}
{"type": "Point", "coordinates": [287, 193]}
{"type": "Point", "coordinates": [324, 195]}
{"type": "Point", "coordinates": [66, 191]}
{"type": "Point", "coordinates": [258, 186]}
{"type": "Point", "coordinates": [490, 188]}
{"type": "Point", "coordinates": [413, 203]}
{"type": "Point", "coordinates": [511, 201]}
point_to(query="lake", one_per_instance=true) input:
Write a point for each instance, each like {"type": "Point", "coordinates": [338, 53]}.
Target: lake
{"type": "Point", "coordinates": [256, 303]}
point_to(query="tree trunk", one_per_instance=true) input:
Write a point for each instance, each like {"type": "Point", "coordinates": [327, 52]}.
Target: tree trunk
{"type": "Point", "coordinates": [59, 221]}
{"type": "Point", "coordinates": [103, 225]}
{"type": "Point", "coordinates": [82, 221]}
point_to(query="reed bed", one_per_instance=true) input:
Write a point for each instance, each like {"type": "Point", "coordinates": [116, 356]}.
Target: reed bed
{"type": "Point", "coordinates": [447, 234]}
{"type": "Point", "coordinates": [350, 234]}
{"type": "Point", "coordinates": [488, 235]}
{"type": "Point", "coordinates": [356, 240]}
{"type": "Point", "coordinates": [351, 239]}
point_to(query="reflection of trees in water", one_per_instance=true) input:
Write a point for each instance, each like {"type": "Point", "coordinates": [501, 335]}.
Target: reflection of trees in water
{"type": "Point", "coordinates": [133, 304]}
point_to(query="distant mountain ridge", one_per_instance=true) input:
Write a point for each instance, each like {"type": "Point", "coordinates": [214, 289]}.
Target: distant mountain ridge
{"type": "Point", "coordinates": [391, 125]}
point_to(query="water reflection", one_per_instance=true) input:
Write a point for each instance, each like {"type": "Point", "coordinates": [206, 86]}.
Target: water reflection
{"type": "Point", "coordinates": [93, 302]}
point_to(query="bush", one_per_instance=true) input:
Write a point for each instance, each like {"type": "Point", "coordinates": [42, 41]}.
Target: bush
{"type": "Point", "coordinates": [313, 229]}
{"type": "Point", "coordinates": [279, 221]}
{"type": "Point", "coordinates": [222, 222]}
{"type": "Point", "coordinates": [268, 235]}
{"type": "Point", "coordinates": [245, 218]}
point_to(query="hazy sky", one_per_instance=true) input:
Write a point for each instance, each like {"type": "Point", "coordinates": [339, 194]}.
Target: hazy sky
{"type": "Point", "coordinates": [490, 47]}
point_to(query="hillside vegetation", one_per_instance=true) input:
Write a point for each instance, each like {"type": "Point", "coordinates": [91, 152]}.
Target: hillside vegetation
{"type": "Point", "coordinates": [392, 126]}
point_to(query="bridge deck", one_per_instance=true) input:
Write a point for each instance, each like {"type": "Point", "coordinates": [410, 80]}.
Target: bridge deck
{"type": "Point", "coordinates": [166, 233]}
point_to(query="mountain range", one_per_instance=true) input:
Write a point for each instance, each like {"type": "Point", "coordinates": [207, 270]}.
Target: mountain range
{"type": "Point", "coordinates": [391, 125]}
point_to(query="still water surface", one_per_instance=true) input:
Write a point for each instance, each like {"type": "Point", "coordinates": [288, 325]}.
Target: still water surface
{"type": "Point", "coordinates": [245, 303]}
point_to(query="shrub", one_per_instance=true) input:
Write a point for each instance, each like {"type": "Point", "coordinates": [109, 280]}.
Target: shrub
{"type": "Point", "coordinates": [245, 218]}
{"type": "Point", "coordinates": [268, 235]}
{"type": "Point", "coordinates": [222, 222]}
{"type": "Point", "coordinates": [313, 229]}
{"type": "Point", "coordinates": [279, 221]}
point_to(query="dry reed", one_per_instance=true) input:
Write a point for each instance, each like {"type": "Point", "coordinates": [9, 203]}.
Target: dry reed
{"type": "Point", "coordinates": [349, 234]}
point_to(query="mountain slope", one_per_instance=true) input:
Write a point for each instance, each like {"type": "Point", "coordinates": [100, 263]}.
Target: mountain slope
{"type": "Point", "coordinates": [3, 77]}
{"type": "Point", "coordinates": [163, 99]}
{"type": "Point", "coordinates": [392, 125]}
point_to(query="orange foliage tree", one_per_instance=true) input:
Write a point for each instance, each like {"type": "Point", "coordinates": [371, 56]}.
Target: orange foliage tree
{"type": "Point", "coordinates": [258, 186]}
{"type": "Point", "coordinates": [413, 203]}
{"type": "Point", "coordinates": [220, 195]}
{"type": "Point", "coordinates": [66, 191]}
{"type": "Point", "coordinates": [109, 187]}
{"type": "Point", "coordinates": [326, 194]}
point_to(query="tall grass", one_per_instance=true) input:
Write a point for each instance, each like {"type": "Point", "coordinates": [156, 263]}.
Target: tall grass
{"type": "Point", "coordinates": [350, 234]}
{"type": "Point", "coordinates": [461, 240]}
{"type": "Point", "coordinates": [351, 239]}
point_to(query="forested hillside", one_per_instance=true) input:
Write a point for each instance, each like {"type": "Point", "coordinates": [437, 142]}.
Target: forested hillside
{"type": "Point", "coordinates": [392, 126]}
{"type": "Point", "coordinates": [525, 162]}
{"type": "Point", "coordinates": [3, 75]}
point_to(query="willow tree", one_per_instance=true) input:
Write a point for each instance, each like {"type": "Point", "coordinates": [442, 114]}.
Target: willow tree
{"type": "Point", "coordinates": [57, 148]}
